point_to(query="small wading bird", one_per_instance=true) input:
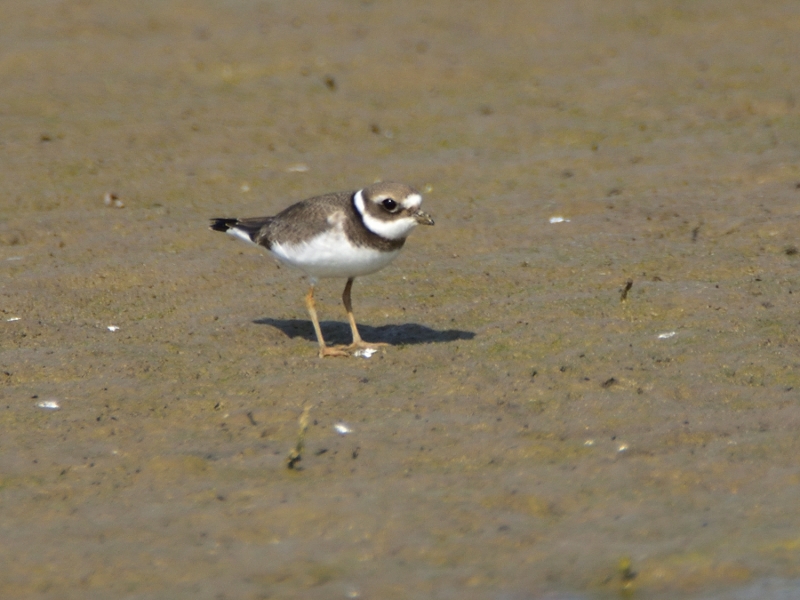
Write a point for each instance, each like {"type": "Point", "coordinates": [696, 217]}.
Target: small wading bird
{"type": "Point", "coordinates": [344, 234]}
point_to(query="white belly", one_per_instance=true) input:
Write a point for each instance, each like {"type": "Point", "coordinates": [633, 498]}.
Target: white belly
{"type": "Point", "coordinates": [331, 255]}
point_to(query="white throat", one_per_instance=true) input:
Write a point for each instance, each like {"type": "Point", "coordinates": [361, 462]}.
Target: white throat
{"type": "Point", "coordinates": [395, 229]}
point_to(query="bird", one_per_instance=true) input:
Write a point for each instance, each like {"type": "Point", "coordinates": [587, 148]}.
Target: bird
{"type": "Point", "coordinates": [337, 235]}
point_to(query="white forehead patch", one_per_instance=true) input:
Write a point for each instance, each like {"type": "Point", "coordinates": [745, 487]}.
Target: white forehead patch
{"type": "Point", "coordinates": [412, 201]}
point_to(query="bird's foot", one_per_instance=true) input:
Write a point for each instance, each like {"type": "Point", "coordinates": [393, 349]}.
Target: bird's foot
{"type": "Point", "coordinates": [333, 351]}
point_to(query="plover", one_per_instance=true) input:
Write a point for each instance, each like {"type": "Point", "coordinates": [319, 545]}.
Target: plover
{"type": "Point", "coordinates": [344, 234]}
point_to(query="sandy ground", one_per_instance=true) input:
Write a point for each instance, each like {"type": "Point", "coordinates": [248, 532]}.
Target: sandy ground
{"type": "Point", "coordinates": [527, 434]}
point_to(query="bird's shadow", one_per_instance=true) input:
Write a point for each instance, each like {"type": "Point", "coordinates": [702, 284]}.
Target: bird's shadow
{"type": "Point", "coordinates": [339, 333]}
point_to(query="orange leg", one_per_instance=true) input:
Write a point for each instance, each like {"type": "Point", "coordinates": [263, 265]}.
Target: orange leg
{"type": "Point", "coordinates": [312, 311]}
{"type": "Point", "coordinates": [348, 306]}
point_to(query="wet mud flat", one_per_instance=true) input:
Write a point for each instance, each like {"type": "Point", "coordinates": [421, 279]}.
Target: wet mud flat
{"type": "Point", "coordinates": [591, 388]}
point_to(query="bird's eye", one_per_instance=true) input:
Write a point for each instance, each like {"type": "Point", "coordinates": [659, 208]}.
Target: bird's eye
{"type": "Point", "coordinates": [390, 205]}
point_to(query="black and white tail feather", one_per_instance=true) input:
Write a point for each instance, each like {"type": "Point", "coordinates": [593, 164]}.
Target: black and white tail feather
{"type": "Point", "coordinates": [248, 230]}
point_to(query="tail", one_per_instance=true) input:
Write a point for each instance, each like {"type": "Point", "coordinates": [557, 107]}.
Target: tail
{"type": "Point", "coordinates": [222, 224]}
{"type": "Point", "coordinates": [249, 230]}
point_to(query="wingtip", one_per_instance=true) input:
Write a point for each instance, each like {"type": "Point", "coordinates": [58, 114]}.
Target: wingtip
{"type": "Point", "coordinates": [220, 224]}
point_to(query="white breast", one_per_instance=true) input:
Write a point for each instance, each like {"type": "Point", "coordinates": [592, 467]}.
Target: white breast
{"type": "Point", "coordinates": [331, 254]}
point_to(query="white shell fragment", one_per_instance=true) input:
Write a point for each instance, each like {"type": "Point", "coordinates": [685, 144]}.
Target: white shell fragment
{"type": "Point", "coordinates": [12, 319]}
{"type": "Point", "coordinates": [111, 199]}
{"type": "Point", "coordinates": [298, 168]}
{"type": "Point", "coordinates": [365, 352]}
{"type": "Point", "coordinates": [342, 429]}
{"type": "Point", "coordinates": [113, 328]}
{"type": "Point", "coordinates": [51, 404]}
{"type": "Point", "coordinates": [558, 219]}
{"type": "Point", "coordinates": [666, 335]}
